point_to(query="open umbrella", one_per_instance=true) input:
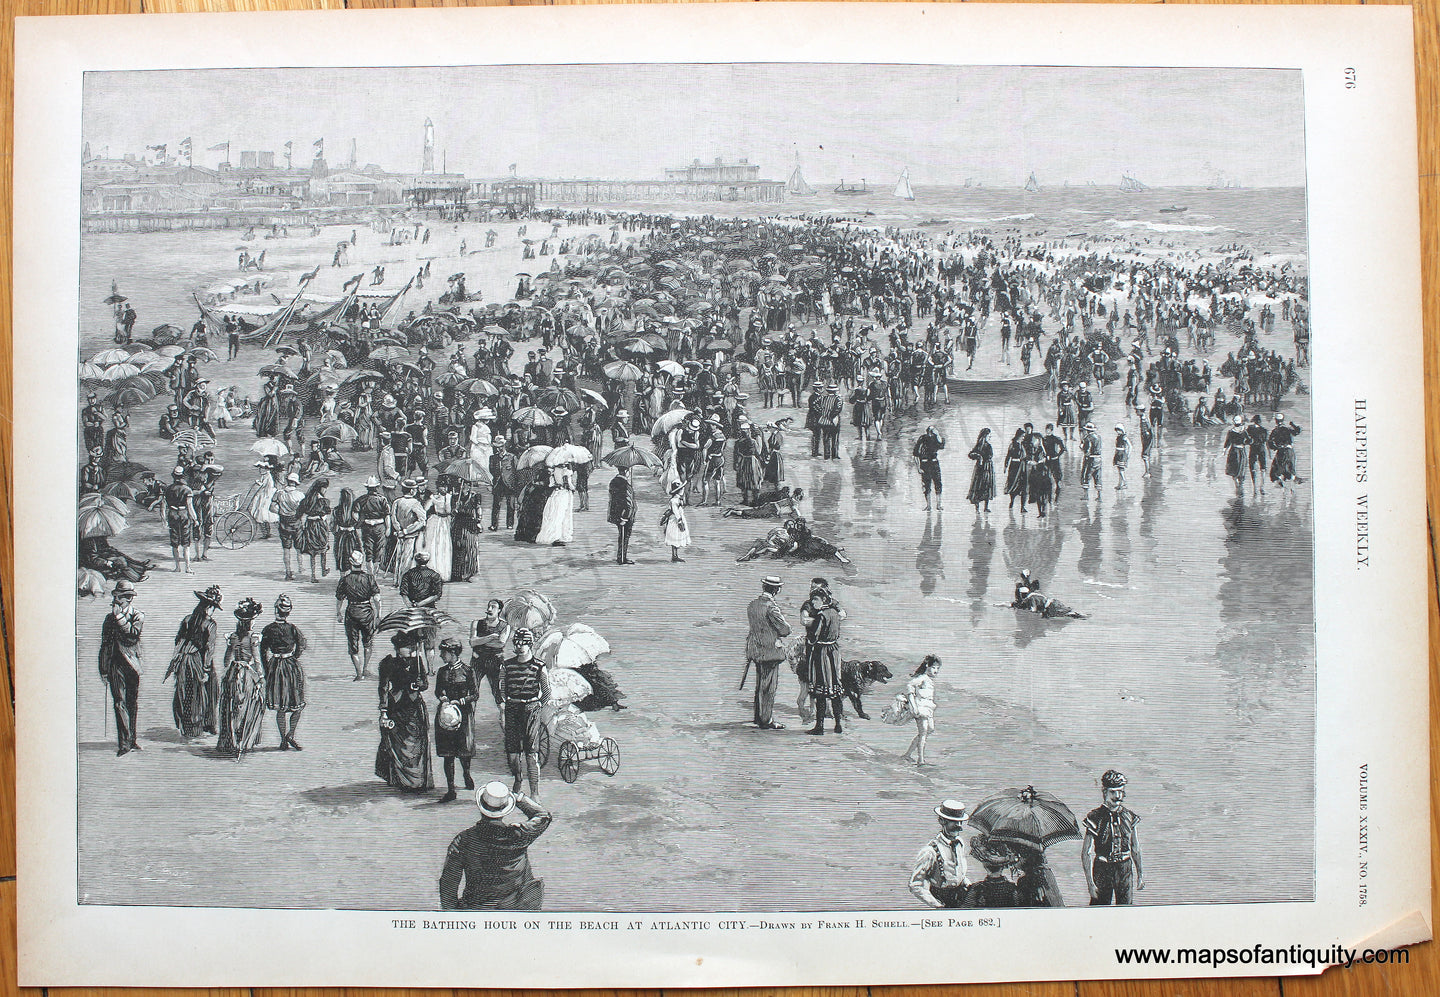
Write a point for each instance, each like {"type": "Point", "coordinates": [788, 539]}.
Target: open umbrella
{"type": "Point", "coordinates": [119, 371]}
{"type": "Point", "coordinates": [335, 429]}
{"type": "Point", "coordinates": [201, 353]}
{"type": "Point", "coordinates": [670, 367]}
{"type": "Point", "coordinates": [144, 358]}
{"type": "Point", "coordinates": [495, 330]}
{"type": "Point", "coordinates": [278, 370]}
{"type": "Point", "coordinates": [106, 357]}
{"type": "Point", "coordinates": [115, 296]}
{"type": "Point", "coordinates": [92, 372]}
{"type": "Point", "coordinates": [554, 396]}
{"type": "Point", "coordinates": [573, 647]}
{"type": "Point", "coordinates": [529, 609]}
{"type": "Point", "coordinates": [568, 453]}
{"type": "Point", "coordinates": [477, 386]}
{"type": "Point", "coordinates": [414, 618]}
{"type": "Point", "coordinates": [716, 345]}
{"type": "Point", "coordinates": [622, 370]}
{"type": "Point", "coordinates": [391, 354]}
{"type": "Point", "coordinates": [471, 470]}
{"type": "Point", "coordinates": [269, 447]}
{"type": "Point", "coordinates": [1025, 816]}
{"type": "Point", "coordinates": [737, 367]}
{"type": "Point", "coordinates": [532, 457]}
{"type": "Point", "coordinates": [131, 395]}
{"type": "Point", "coordinates": [668, 420]}
{"type": "Point", "coordinates": [192, 438]}
{"type": "Point", "coordinates": [640, 348]}
{"type": "Point", "coordinates": [448, 378]}
{"type": "Point", "coordinates": [101, 515]}
{"type": "Point", "coordinates": [287, 351]}
{"type": "Point", "coordinates": [633, 456]}
{"type": "Point", "coordinates": [531, 415]}
{"type": "Point", "coordinates": [594, 397]}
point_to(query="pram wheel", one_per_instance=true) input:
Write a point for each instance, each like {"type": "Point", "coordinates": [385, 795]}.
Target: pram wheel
{"type": "Point", "coordinates": [569, 761]}
{"type": "Point", "coordinates": [609, 756]}
{"type": "Point", "coordinates": [540, 739]}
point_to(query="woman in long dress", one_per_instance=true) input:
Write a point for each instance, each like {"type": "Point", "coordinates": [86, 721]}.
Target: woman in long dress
{"type": "Point", "coordinates": [457, 685]}
{"type": "Point", "coordinates": [364, 424]}
{"type": "Point", "coordinates": [1015, 470]}
{"type": "Point", "coordinates": [314, 512]}
{"type": "Point", "coordinates": [242, 690]}
{"type": "Point", "coordinates": [775, 457]}
{"type": "Point", "coordinates": [438, 524]}
{"type": "Point", "coordinates": [260, 494]}
{"type": "Point", "coordinates": [347, 529]}
{"type": "Point", "coordinates": [403, 758]}
{"type": "Point", "coordinates": [982, 478]}
{"type": "Point", "coordinates": [672, 520]}
{"type": "Point", "coordinates": [116, 440]}
{"type": "Point", "coordinates": [920, 694]}
{"type": "Point", "coordinates": [197, 688]}
{"type": "Point", "coordinates": [482, 443]}
{"type": "Point", "coordinates": [557, 525]}
{"type": "Point", "coordinates": [267, 410]}
{"type": "Point", "coordinates": [465, 532]}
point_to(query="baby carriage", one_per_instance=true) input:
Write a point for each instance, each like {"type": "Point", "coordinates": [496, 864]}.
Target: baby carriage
{"type": "Point", "coordinates": [560, 722]}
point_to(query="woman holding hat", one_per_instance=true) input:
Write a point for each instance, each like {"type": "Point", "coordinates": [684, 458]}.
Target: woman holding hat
{"type": "Point", "coordinates": [672, 521]}
{"type": "Point", "coordinates": [242, 690]}
{"type": "Point", "coordinates": [456, 687]}
{"type": "Point", "coordinates": [403, 758]}
{"type": "Point", "coordinates": [197, 689]}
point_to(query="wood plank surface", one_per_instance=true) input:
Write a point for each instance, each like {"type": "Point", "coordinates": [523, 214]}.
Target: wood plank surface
{"type": "Point", "coordinates": [1420, 977]}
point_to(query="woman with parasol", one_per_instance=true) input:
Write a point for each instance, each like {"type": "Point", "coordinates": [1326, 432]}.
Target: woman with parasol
{"type": "Point", "coordinates": [557, 522]}
{"type": "Point", "coordinates": [403, 757]}
{"type": "Point", "coordinates": [267, 411]}
{"type": "Point", "coordinates": [1029, 821]}
{"type": "Point", "coordinates": [197, 689]}
{"type": "Point", "coordinates": [261, 493]}
{"type": "Point", "coordinates": [242, 690]}
{"type": "Point", "coordinates": [314, 513]}
{"type": "Point", "coordinates": [466, 529]}
{"type": "Point", "coordinates": [439, 520]}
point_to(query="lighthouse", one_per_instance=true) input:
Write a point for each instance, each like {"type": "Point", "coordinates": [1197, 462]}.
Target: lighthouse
{"type": "Point", "coordinates": [427, 163]}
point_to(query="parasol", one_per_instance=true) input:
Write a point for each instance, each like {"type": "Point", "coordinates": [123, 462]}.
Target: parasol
{"type": "Point", "coordinates": [1026, 817]}
{"type": "Point", "coordinates": [668, 420]}
{"type": "Point", "coordinates": [633, 456]}
{"type": "Point", "coordinates": [192, 438]}
{"type": "Point", "coordinates": [131, 395]}
{"type": "Point", "coordinates": [594, 397]}
{"type": "Point", "coordinates": [269, 447]}
{"type": "Point", "coordinates": [568, 453]}
{"type": "Point", "coordinates": [574, 647]}
{"type": "Point", "coordinates": [640, 347]}
{"type": "Point", "coordinates": [287, 351]}
{"type": "Point", "coordinates": [201, 353]}
{"type": "Point", "coordinates": [622, 370]}
{"type": "Point", "coordinates": [477, 386]}
{"type": "Point", "coordinates": [335, 429]}
{"type": "Point", "coordinates": [557, 397]}
{"type": "Point", "coordinates": [92, 372]}
{"type": "Point", "coordinates": [530, 415]}
{"type": "Point", "coordinates": [144, 358]}
{"type": "Point", "coordinates": [391, 354]}
{"type": "Point", "coordinates": [716, 345]}
{"type": "Point", "coordinates": [470, 470]}
{"type": "Point", "coordinates": [670, 367]}
{"type": "Point", "coordinates": [106, 357]}
{"type": "Point", "coordinates": [529, 609]}
{"type": "Point", "coordinates": [532, 457]}
{"type": "Point", "coordinates": [278, 370]}
{"type": "Point", "coordinates": [335, 359]}
{"type": "Point", "coordinates": [414, 618]}
{"type": "Point", "coordinates": [101, 515]}
{"type": "Point", "coordinates": [119, 372]}
{"type": "Point", "coordinates": [448, 378]}
{"type": "Point", "coordinates": [495, 330]}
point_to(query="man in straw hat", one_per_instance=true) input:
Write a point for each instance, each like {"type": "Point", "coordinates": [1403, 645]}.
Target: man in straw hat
{"type": "Point", "coordinates": [286, 506]}
{"type": "Point", "coordinates": [622, 513]}
{"type": "Point", "coordinates": [939, 878]}
{"type": "Point", "coordinates": [1090, 445]}
{"type": "Point", "coordinates": [764, 651]}
{"type": "Point", "coordinates": [357, 598]}
{"type": "Point", "coordinates": [492, 857]}
{"type": "Point", "coordinates": [373, 512]}
{"type": "Point", "coordinates": [120, 662]}
{"type": "Point", "coordinates": [407, 516]}
{"type": "Point", "coordinates": [180, 518]}
{"type": "Point", "coordinates": [1110, 853]}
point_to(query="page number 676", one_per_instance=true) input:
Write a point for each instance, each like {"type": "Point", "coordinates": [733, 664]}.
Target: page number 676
{"type": "Point", "coordinates": [1350, 78]}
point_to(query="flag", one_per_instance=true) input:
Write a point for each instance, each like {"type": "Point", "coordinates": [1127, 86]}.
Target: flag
{"type": "Point", "coordinates": [288, 145]}
{"type": "Point", "coordinates": [219, 146]}
{"type": "Point", "coordinates": [352, 282]}
{"type": "Point", "coordinates": [319, 148]}
{"type": "Point", "coordinates": [306, 278]}
{"type": "Point", "coordinates": [183, 156]}
{"type": "Point", "coordinates": [512, 167]}
{"type": "Point", "coordinates": [155, 154]}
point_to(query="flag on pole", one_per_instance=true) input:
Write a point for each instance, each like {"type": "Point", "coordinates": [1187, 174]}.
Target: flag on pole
{"type": "Point", "coordinates": [352, 282]}
{"type": "Point", "coordinates": [306, 278]}
{"type": "Point", "coordinates": [221, 145]}
{"type": "Point", "coordinates": [319, 148]}
{"type": "Point", "coordinates": [512, 167]}
{"type": "Point", "coordinates": [155, 154]}
{"type": "Point", "coordinates": [183, 156]}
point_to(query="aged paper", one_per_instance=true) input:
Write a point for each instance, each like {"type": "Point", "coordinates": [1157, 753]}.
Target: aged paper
{"type": "Point", "coordinates": [718, 496]}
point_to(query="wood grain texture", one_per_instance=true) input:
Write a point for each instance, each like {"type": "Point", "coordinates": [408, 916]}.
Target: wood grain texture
{"type": "Point", "coordinates": [1420, 977]}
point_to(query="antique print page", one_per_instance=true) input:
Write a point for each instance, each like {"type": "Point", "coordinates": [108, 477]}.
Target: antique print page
{"type": "Point", "coordinates": [718, 496]}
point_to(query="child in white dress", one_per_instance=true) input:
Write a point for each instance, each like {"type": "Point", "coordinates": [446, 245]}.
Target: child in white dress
{"type": "Point", "coordinates": [920, 693]}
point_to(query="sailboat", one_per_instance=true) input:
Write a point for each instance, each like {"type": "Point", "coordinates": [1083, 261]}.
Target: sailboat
{"type": "Point", "coordinates": [851, 188]}
{"type": "Point", "coordinates": [796, 186]}
{"type": "Point", "coordinates": [902, 188]}
{"type": "Point", "coordinates": [1130, 185]}
{"type": "Point", "coordinates": [1032, 185]}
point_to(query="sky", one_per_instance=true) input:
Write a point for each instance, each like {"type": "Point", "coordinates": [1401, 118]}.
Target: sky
{"type": "Point", "coordinates": [946, 124]}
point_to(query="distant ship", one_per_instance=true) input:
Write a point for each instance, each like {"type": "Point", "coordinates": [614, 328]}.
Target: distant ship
{"type": "Point", "coordinates": [968, 182]}
{"type": "Point", "coordinates": [1174, 209]}
{"type": "Point", "coordinates": [796, 186]}
{"type": "Point", "coordinates": [1130, 185]}
{"type": "Point", "coordinates": [1032, 185]}
{"type": "Point", "coordinates": [851, 189]}
{"type": "Point", "coordinates": [902, 189]}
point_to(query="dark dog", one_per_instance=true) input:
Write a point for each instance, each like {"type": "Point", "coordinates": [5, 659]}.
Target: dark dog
{"type": "Point", "coordinates": [856, 677]}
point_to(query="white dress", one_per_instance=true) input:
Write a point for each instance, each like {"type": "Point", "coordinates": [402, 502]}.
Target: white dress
{"type": "Point", "coordinates": [480, 450]}
{"type": "Point", "coordinates": [921, 691]}
{"type": "Point", "coordinates": [558, 521]}
{"type": "Point", "coordinates": [258, 497]}
{"type": "Point", "coordinates": [437, 534]}
{"type": "Point", "coordinates": [677, 531]}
